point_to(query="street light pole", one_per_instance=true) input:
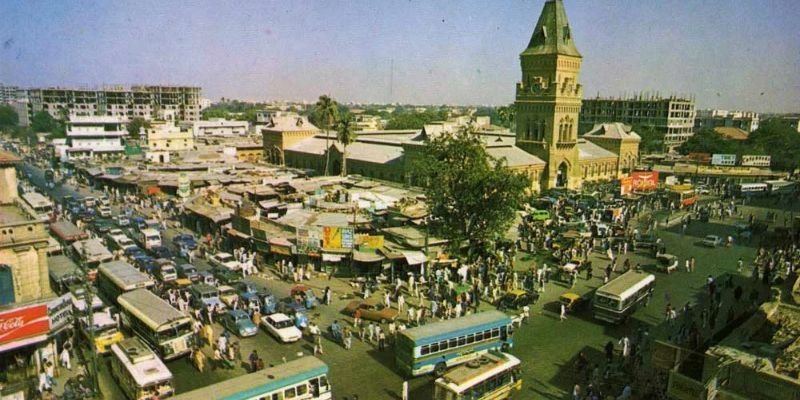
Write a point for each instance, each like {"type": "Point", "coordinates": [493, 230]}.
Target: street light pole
{"type": "Point", "coordinates": [90, 322]}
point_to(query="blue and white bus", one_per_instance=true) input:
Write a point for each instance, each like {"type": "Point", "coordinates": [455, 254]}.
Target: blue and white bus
{"type": "Point", "coordinates": [436, 346]}
{"type": "Point", "coordinates": [305, 378]}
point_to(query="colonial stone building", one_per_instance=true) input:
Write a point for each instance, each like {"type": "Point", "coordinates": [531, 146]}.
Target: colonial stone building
{"type": "Point", "coordinates": [281, 132]}
{"type": "Point", "coordinates": [23, 243]}
{"type": "Point", "coordinates": [545, 145]}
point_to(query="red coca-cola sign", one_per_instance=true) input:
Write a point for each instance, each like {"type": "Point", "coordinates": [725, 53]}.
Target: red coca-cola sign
{"type": "Point", "coordinates": [21, 323]}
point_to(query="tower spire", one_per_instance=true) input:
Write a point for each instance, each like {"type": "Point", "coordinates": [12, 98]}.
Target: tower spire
{"type": "Point", "coordinates": [552, 34]}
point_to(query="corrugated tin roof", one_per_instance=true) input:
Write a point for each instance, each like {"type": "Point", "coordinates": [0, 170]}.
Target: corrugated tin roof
{"type": "Point", "coordinates": [590, 151]}
{"type": "Point", "coordinates": [515, 156]}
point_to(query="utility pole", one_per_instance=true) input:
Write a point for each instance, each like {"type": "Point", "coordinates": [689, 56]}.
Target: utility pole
{"type": "Point", "coordinates": [90, 322]}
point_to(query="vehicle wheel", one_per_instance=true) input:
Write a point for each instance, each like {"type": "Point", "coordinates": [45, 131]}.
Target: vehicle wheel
{"type": "Point", "coordinates": [440, 369]}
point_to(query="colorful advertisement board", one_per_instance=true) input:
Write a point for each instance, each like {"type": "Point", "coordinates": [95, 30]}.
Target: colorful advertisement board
{"type": "Point", "coordinates": [24, 322]}
{"type": "Point", "coordinates": [370, 241]}
{"type": "Point", "coordinates": [626, 186]}
{"type": "Point", "coordinates": [336, 237]}
{"type": "Point", "coordinates": [644, 181]}
{"type": "Point", "coordinates": [756, 161]}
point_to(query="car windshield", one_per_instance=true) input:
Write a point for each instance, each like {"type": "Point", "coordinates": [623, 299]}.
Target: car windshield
{"type": "Point", "coordinates": [168, 270]}
{"type": "Point", "coordinates": [283, 324]}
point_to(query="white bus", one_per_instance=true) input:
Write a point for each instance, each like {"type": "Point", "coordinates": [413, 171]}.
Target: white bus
{"type": "Point", "coordinates": [118, 277]}
{"type": "Point", "coordinates": [618, 299]}
{"type": "Point", "coordinates": [493, 376]}
{"type": "Point", "coordinates": [751, 189]}
{"type": "Point", "coordinates": [167, 330]}
{"type": "Point", "coordinates": [305, 378]}
{"type": "Point", "coordinates": [140, 373]}
{"type": "Point", "coordinates": [42, 206]}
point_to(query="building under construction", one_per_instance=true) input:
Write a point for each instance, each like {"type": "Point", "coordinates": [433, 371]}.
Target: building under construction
{"type": "Point", "coordinates": [673, 116]}
{"type": "Point", "coordinates": [171, 103]}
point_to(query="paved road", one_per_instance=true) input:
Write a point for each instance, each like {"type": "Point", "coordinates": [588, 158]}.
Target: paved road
{"type": "Point", "coordinates": [547, 347]}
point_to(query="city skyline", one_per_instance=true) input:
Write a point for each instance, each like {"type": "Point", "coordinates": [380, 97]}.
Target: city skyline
{"type": "Point", "coordinates": [729, 56]}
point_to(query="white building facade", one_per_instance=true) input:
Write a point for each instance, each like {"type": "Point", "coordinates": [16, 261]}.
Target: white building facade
{"type": "Point", "coordinates": [90, 137]}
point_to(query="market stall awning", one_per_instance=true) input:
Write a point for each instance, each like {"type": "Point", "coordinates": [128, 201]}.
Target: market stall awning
{"type": "Point", "coordinates": [331, 257]}
{"type": "Point", "coordinates": [414, 257]}
{"type": "Point", "coordinates": [236, 233]}
{"type": "Point", "coordinates": [363, 256]}
{"type": "Point", "coordinates": [280, 242]}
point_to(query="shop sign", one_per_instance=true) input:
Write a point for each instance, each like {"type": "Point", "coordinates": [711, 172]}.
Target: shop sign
{"type": "Point", "coordinates": [25, 322]}
{"type": "Point", "coordinates": [370, 241]}
{"type": "Point", "coordinates": [723, 159]}
{"type": "Point", "coordinates": [335, 237]}
{"type": "Point", "coordinates": [60, 312]}
{"type": "Point", "coordinates": [626, 186]}
{"type": "Point", "coordinates": [184, 185]}
{"type": "Point", "coordinates": [644, 180]}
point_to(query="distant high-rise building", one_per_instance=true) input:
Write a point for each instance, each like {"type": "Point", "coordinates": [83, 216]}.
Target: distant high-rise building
{"type": "Point", "coordinates": [744, 120]}
{"type": "Point", "coordinates": [151, 102]}
{"type": "Point", "coordinates": [8, 94]}
{"type": "Point", "coordinates": [674, 116]}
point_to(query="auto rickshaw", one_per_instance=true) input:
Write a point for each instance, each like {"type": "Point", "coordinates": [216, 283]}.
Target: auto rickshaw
{"type": "Point", "coordinates": [667, 263]}
{"type": "Point", "coordinates": [572, 301]}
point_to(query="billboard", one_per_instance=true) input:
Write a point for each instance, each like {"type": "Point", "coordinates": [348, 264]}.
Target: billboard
{"type": "Point", "coordinates": [370, 241]}
{"type": "Point", "coordinates": [336, 237]}
{"type": "Point", "coordinates": [22, 323]}
{"type": "Point", "coordinates": [756, 161]}
{"type": "Point", "coordinates": [723, 159]}
{"type": "Point", "coordinates": [644, 181]}
{"type": "Point", "coordinates": [626, 186]}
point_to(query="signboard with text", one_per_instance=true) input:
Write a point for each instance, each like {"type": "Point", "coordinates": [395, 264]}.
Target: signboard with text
{"type": "Point", "coordinates": [335, 237]}
{"type": "Point", "coordinates": [756, 161]}
{"type": "Point", "coordinates": [370, 241]}
{"type": "Point", "coordinates": [22, 323]}
{"type": "Point", "coordinates": [723, 159]}
{"type": "Point", "coordinates": [309, 239]}
{"type": "Point", "coordinates": [626, 185]}
{"type": "Point", "coordinates": [644, 181]}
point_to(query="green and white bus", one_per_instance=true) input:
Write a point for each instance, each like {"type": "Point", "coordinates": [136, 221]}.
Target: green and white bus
{"type": "Point", "coordinates": [118, 277]}
{"type": "Point", "coordinates": [493, 376]}
{"type": "Point", "coordinates": [618, 299]}
{"type": "Point", "coordinates": [140, 373]}
{"type": "Point", "coordinates": [305, 378]}
{"type": "Point", "coordinates": [436, 346]}
{"type": "Point", "coordinates": [165, 329]}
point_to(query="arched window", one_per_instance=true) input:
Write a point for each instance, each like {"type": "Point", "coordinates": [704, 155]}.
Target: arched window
{"type": "Point", "coordinates": [6, 285]}
{"type": "Point", "coordinates": [528, 129]}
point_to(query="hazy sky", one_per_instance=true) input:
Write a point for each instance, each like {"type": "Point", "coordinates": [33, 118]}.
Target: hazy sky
{"type": "Point", "coordinates": [725, 52]}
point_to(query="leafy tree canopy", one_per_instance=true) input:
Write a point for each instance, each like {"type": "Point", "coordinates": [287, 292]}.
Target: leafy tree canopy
{"type": "Point", "coordinates": [471, 196]}
{"type": "Point", "coordinates": [707, 140]}
{"type": "Point", "coordinates": [8, 118]}
{"type": "Point", "coordinates": [135, 125]}
{"type": "Point", "coordinates": [652, 139]}
{"type": "Point", "coordinates": [402, 119]}
{"type": "Point", "coordinates": [42, 121]}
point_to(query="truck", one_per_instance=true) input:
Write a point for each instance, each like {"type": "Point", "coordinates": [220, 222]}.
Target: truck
{"type": "Point", "coordinates": [148, 238]}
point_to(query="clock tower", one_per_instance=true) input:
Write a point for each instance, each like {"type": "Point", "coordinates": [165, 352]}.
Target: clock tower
{"type": "Point", "coordinates": [548, 99]}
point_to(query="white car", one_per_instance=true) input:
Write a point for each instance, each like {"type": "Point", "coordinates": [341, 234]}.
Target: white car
{"type": "Point", "coordinates": [282, 327]}
{"type": "Point", "coordinates": [105, 212]}
{"type": "Point", "coordinates": [224, 260]}
{"type": "Point", "coordinates": [712, 241]}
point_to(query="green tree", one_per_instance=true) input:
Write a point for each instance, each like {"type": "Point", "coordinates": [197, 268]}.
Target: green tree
{"type": "Point", "coordinates": [345, 134]}
{"type": "Point", "coordinates": [42, 121]}
{"type": "Point", "coordinates": [776, 138]}
{"type": "Point", "coordinates": [707, 140]}
{"type": "Point", "coordinates": [9, 119]}
{"type": "Point", "coordinates": [328, 115]}
{"type": "Point", "coordinates": [652, 139]}
{"type": "Point", "coordinates": [135, 125]}
{"type": "Point", "coordinates": [471, 196]}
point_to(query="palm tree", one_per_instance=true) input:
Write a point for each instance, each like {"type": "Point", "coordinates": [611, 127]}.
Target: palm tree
{"type": "Point", "coordinates": [328, 112]}
{"type": "Point", "coordinates": [346, 134]}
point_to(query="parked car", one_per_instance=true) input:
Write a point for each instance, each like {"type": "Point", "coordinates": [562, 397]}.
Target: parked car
{"type": "Point", "coordinates": [372, 310]}
{"type": "Point", "coordinates": [227, 294]}
{"type": "Point", "coordinates": [145, 263]}
{"type": "Point", "coordinates": [185, 240]}
{"type": "Point", "coordinates": [105, 211]}
{"type": "Point", "coordinates": [517, 298]}
{"type": "Point", "coordinates": [572, 301]}
{"type": "Point", "coordinates": [224, 260]}
{"type": "Point", "coordinates": [122, 220]}
{"type": "Point", "coordinates": [293, 310]}
{"type": "Point", "coordinates": [102, 225]}
{"type": "Point", "coordinates": [163, 252]}
{"type": "Point", "coordinates": [132, 251]}
{"type": "Point", "coordinates": [282, 327]}
{"type": "Point", "coordinates": [645, 241]}
{"type": "Point", "coordinates": [204, 295]}
{"type": "Point", "coordinates": [166, 270]}
{"type": "Point", "coordinates": [712, 241]}
{"type": "Point", "coordinates": [238, 322]}
{"type": "Point", "coordinates": [188, 271]}
{"type": "Point", "coordinates": [304, 295]}
{"type": "Point", "coordinates": [207, 278]}
{"type": "Point", "coordinates": [226, 276]}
